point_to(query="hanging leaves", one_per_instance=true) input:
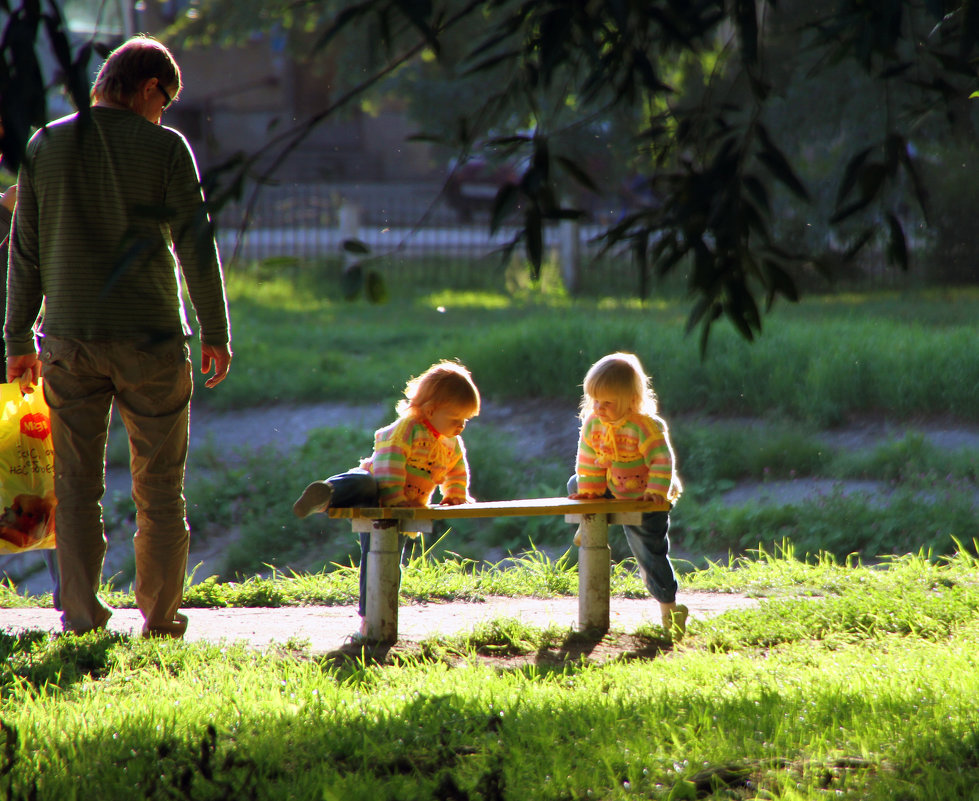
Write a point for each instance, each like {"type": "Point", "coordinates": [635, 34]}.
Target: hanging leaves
{"type": "Point", "coordinates": [715, 171]}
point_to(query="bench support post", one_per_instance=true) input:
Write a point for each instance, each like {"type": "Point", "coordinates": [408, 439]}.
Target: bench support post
{"type": "Point", "coordinates": [594, 573]}
{"type": "Point", "coordinates": [383, 583]}
{"type": "Point", "coordinates": [594, 557]}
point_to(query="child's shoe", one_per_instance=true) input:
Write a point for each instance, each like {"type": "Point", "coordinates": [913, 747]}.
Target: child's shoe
{"type": "Point", "coordinates": [675, 622]}
{"type": "Point", "coordinates": [577, 537]}
{"type": "Point", "coordinates": [359, 637]}
{"type": "Point", "coordinates": [315, 498]}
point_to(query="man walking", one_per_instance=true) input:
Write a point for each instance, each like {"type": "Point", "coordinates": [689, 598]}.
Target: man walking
{"type": "Point", "coordinates": [103, 206]}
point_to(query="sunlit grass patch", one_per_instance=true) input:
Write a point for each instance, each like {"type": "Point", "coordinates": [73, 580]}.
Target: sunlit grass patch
{"type": "Point", "coordinates": [784, 569]}
{"type": "Point", "coordinates": [281, 293]}
{"type": "Point", "coordinates": [463, 299]}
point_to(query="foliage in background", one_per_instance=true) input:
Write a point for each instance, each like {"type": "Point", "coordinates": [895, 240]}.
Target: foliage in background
{"type": "Point", "coordinates": [831, 359]}
{"type": "Point", "coordinates": [954, 196]}
{"type": "Point", "coordinates": [709, 88]}
{"type": "Point", "coordinates": [726, 138]}
{"type": "Point", "coordinates": [844, 359]}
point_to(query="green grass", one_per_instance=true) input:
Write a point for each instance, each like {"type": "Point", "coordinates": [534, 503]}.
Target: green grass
{"type": "Point", "coordinates": [930, 493]}
{"type": "Point", "coordinates": [886, 357]}
{"type": "Point", "coordinates": [854, 677]}
{"type": "Point", "coordinates": [431, 574]}
{"type": "Point", "coordinates": [900, 358]}
{"type": "Point", "coordinates": [822, 361]}
{"type": "Point", "coordinates": [864, 689]}
{"type": "Point", "coordinates": [297, 341]}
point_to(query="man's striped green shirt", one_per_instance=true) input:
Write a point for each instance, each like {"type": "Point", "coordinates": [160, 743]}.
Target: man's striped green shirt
{"type": "Point", "coordinates": [106, 211]}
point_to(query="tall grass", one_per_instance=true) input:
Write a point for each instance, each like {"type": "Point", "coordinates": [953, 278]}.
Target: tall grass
{"type": "Point", "coordinates": [823, 361]}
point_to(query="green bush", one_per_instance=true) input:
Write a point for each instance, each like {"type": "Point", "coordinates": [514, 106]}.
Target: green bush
{"type": "Point", "coordinates": [747, 451]}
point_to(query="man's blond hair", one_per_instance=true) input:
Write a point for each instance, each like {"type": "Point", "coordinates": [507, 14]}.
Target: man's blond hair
{"type": "Point", "coordinates": [130, 65]}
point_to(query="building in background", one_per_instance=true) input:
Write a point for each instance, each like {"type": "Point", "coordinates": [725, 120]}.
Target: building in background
{"type": "Point", "coordinates": [241, 98]}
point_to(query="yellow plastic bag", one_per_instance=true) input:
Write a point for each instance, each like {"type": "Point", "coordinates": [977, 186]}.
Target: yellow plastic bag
{"type": "Point", "coordinates": [26, 471]}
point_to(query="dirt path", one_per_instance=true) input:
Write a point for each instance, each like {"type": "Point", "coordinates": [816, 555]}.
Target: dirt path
{"type": "Point", "coordinates": [323, 629]}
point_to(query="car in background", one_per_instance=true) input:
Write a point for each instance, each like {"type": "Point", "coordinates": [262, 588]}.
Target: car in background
{"type": "Point", "coordinates": [472, 185]}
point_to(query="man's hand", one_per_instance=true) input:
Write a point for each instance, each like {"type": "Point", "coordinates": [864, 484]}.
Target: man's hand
{"type": "Point", "coordinates": [24, 369]}
{"type": "Point", "coordinates": [9, 198]}
{"type": "Point", "coordinates": [220, 357]}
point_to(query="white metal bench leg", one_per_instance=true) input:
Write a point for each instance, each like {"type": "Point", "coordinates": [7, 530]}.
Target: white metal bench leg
{"type": "Point", "coordinates": [594, 573]}
{"type": "Point", "coordinates": [384, 568]}
{"type": "Point", "coordinates": [595, 567]}
{"type": "Point", "coordinates": [383, 583]}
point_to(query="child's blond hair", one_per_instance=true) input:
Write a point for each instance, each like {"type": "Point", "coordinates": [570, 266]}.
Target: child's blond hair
{"type": "Point", "coordinates": [619, 375]}
{"type": "Point", "coordinates": [444, 383]}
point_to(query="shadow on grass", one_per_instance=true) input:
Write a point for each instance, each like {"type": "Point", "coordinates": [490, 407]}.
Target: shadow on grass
{"type": "Point", "coordinates": [503, 648]}
{"type": "Point", "coordinates": [40, 658]}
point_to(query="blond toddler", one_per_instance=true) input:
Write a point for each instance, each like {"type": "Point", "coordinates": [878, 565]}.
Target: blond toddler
{"type": "Point", "coordinates": [418, 453]}
{"type": "Point", "coordinates": [624, 452]}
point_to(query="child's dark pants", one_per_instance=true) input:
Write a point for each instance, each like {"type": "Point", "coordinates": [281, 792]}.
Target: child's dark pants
{"type": "Point", "coordinates": [359, 488]}
{"type": "Point", "coordinates": [650, 544]}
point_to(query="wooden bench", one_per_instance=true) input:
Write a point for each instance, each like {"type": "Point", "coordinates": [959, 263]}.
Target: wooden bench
{"type": "Point", "coordinates": [594, 556]}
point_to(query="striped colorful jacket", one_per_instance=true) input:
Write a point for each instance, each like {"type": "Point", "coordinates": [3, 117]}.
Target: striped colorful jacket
{"type": "Point", "coordinates": [411, 459]}
{"type": "Point", "coordinates": [630, 458]}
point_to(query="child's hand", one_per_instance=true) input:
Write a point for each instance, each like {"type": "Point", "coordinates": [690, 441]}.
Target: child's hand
{"type": "Point", "coordinates": [584, 496]}
{"type": "Point", "coordinates": [455, 501]}
{"type": "Point", "coordinates": [654, 497]}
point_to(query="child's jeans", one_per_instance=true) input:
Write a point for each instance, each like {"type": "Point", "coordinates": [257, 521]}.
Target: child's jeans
{"type": "Point", "coordinates": [359, 488]}
{"type": "Point", "coordinates": [650, 544]}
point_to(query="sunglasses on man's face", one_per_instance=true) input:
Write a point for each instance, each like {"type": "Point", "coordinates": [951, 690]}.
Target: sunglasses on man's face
{"type": "Point", "coordinates": [167, 100]}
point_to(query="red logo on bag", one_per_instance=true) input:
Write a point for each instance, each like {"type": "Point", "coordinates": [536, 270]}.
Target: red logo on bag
{"type": "Point", "coordinates": [35, 425]}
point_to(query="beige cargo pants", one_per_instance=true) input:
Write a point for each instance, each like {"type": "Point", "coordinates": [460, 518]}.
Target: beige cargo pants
{"type": "Point", "coordinates": [151, 386]}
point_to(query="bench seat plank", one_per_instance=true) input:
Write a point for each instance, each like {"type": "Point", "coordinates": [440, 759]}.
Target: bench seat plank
{"type": "Point", "coordinates": [594, 563]}
{"type": "Point", "coordinates": [530, 507]}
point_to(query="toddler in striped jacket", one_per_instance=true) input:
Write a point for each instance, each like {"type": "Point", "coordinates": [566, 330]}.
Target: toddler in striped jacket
{"type": "Point", "coordinates": [418, 453]}
{"type": "Point", "coordinates": [624, 451]}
